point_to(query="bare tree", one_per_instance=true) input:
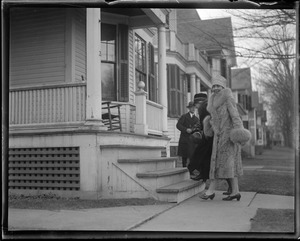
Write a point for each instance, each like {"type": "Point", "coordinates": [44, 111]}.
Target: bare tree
{"type": "Point", "coordinates": [277, 82]}
{"type": "Point", "coordinates": [275, 31]}
{"type": "Point", "coordinates": [262, 27]}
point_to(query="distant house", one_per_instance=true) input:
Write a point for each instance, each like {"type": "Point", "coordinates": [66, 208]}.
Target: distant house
{"type": "Point", "coordinates": [213, 37]}
{"type": "Point", "coordinates": [250, 109]}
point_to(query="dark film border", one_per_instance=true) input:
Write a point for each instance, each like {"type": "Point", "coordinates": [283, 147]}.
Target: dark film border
{"type": "Point", "coordinates": [218, 4]}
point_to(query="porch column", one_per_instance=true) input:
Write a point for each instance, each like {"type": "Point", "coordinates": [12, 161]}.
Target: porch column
{"type": "Point", "coordinates": [193, 86]}
{"type": "Point", "coordinates": [162, 77]}
{"type": "Point", "coordinates": [198, 85]}
{"type": "Point", "coordinates": [93, 67]}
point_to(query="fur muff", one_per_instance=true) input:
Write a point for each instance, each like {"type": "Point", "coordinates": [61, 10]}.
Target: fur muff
{"type": "Point", "coordinates": [226, 161]}
{"type": "Point", "coordinates": [240, 135]}
{"type": "Point", "coordinates": [207, 128]}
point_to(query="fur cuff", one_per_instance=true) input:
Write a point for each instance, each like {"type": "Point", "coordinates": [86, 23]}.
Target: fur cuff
{"type": "Point", "coordinates": [207, 128]}
{"type": "Point", "coordinates": [240, 135]}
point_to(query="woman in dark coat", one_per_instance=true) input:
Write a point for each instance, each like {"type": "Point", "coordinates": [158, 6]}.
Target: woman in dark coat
{"type": "Point", "coordinates": [200, 159]}
{"type": "Point", "coordinates": [186, 124]}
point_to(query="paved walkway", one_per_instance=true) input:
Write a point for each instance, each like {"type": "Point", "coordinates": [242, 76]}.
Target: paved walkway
{"type": "Point", "coordinates": [193, 214]}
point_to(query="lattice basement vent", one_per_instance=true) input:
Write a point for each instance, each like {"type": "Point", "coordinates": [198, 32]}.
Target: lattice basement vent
{"type": "Point", "coordinates": [44, 168]}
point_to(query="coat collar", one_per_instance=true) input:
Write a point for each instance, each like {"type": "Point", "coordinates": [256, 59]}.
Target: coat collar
{"type": "Point", "coordinates": [218, 99]}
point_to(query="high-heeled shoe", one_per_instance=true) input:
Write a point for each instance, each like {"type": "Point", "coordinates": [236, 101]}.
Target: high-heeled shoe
{"type": "Point", "coordinates": [230, 198]}
{"type": "Point", "coordinates": [228, 192]}
{"type": "Point", "coordinates": [205, 197]}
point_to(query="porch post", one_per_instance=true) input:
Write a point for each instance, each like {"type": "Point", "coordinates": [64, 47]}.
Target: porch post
{"type": "Point", "coordinates": [141, 126]}
{"type": "Point", "coordinates": [93, 68]}
{"type": "Point", "coordinates": [198, 85]}
{"type": "Point", "coordinates": [162, 77]}
{"type": "Point", "coordinates": [193, 86]}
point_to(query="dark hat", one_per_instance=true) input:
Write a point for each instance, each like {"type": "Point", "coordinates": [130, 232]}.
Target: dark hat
{"type": "Point", "coordinates": [200, 97]}
{"type": "Point", "coordinates": [191, 104]}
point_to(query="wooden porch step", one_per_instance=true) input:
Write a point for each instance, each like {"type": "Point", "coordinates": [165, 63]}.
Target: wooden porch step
{"type": "Point", "coordinates": [143, 160]}
{"type": "Point", "coordinates": [123, 151]}
{"type": "Point", "coordinates": [119, 146]}
{"type": "Point", "coordinates": [162, 173]}
{"type": "Point", "coordinates": [180, 191]}
{"type": "Point", "coordinates": [141, 165]}
{"type": "Point", "coordinates": [179, 187]}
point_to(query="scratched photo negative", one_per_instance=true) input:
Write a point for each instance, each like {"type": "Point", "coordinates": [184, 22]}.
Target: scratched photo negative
{"type": "Point", "coordinates": [151, 120]}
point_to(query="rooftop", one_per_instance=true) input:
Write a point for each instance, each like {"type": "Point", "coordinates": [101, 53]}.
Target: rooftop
{"type": "Point", "coordinates": [211, 34]}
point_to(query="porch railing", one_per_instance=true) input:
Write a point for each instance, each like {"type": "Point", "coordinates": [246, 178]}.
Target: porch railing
{"type": "Point", "coordinates": [154, 117]}
{"type": "Point", "coordinates": [181, 48]}
{"type": "Point", "coordinates": [47, 104]}
{"type": "Point", "coordinates": [202, 60]}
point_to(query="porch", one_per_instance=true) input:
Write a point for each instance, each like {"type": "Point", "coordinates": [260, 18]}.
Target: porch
{"type": "Point", "coordinates": [73, 97]}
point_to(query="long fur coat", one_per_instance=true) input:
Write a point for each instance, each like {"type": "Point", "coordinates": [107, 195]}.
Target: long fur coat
{"type": "Point", "coordinates": [225, 124]}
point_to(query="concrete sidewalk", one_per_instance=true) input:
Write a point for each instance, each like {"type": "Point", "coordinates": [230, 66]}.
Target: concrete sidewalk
{"type": "Point", "coordinates": [193, 214]}
{"type": "Point", "coordinates": [217, 215]}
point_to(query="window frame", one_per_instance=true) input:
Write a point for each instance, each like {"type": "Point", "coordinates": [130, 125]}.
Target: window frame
{"type": "Point", "coordinates": [177, 90]}
{"type": "Point", "coordinates": [121, 78]}
{"type": "Point", "coordinates": [114, 63]}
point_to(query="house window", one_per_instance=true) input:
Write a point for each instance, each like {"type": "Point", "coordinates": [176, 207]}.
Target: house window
{"type": "Point", "coordinates": [177, 89]}
{"type": "Point", "coordinates": [140, 61]}
{"type": "Point", "coordinates": [114, 62]}
{"type": "Point", "coordinates": [145, 68]}
{"type": "Point", "coordinates": [223, 68]}
{"type": "Point", "coordinates": [108, 59]}
{"type": "Point", "coordinates": [152, 80]}
{"type": "Point", "coordinates": [246, 125]}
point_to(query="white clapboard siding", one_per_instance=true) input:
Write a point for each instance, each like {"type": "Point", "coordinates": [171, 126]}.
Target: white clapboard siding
{"type": "Point", "coordinates": [47, 104]}
{"type": "Point", "coordinates": [173, 132]}
{"type": "Point", "coordinates": [37, 46]}
{"type": "Point", "coordinates": [80, 45]}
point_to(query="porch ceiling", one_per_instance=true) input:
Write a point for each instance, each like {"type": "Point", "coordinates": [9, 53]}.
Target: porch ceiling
{"type": "Point", "coordinates": [138, 18]}
{"type": "Point", "coordinates": [131, 12]}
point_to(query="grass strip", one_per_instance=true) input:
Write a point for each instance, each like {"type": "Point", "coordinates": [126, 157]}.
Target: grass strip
{"type": "Point", "coordinates": [53, 202]}
{"type": "Point", "coordinates": [273, 220]}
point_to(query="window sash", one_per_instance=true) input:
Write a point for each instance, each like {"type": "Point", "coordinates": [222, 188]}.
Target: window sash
{"type": "Point", "coordinates": [177, 89]}
{"type": "Point", "coordinates": [114, 54]}
{"type": "Point", "coordinates": [140, 54]}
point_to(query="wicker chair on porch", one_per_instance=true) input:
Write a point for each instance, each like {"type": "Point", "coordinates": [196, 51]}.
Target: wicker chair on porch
{"type": "Point", "coordinates": [112, 121]}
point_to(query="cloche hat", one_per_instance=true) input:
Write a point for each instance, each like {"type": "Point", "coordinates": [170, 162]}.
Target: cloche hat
{"type": "Point", "coordinates": [219, 80]}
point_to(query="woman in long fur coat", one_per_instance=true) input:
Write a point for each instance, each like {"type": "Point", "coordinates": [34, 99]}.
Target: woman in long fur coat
{"type": "Point", "coordinates": [225, 124]}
